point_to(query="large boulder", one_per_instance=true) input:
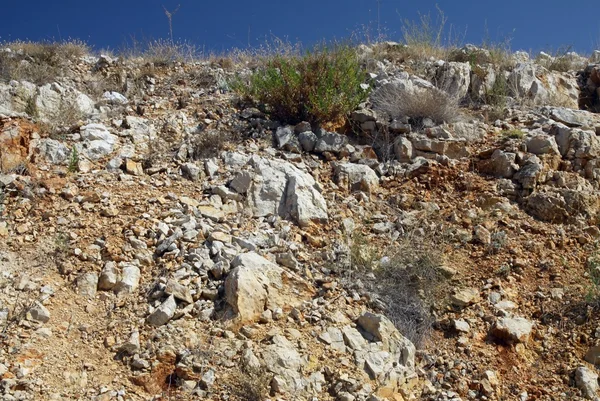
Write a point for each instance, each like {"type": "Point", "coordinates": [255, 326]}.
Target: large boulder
{"type": "Point", "coordinates": [281, 189]}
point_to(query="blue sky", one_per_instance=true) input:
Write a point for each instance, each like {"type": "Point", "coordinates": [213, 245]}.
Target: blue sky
{"type": "Point", "coordinates": [221, 25]}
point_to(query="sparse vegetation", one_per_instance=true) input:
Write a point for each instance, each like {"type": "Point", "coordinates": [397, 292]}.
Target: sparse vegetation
{"type": "Point", "coordinates": [512, 134]}
{"type": "Point", "coordinates": [398, 102]}
{"type": "Point", "coordinates": [320, 87]}
{"type": "Point", "coordinates": [428, 37]}
{"type": "Point", "coordinates": [561, 60]}
{"type": "Point", "coordinates": [74, 161]}
{"type": "Point", "coordinates": [39, 62]}
{"type": "Point", "coordinates": [403, 285]}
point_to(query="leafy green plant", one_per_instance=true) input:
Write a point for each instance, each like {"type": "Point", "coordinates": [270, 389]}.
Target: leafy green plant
{"type": "Point", "coordinates": [321, 86]}
{"type": "Point", "coordinates": [74, 161]}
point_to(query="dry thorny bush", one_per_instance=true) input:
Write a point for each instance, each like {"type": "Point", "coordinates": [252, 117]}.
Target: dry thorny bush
{"type": "Point", "coordinates": [397, 102]}
{"type": "Point", "coordinates": [404, 281]}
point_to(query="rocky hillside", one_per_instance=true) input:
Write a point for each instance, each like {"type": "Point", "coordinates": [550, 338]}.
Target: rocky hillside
{"type": "Point", "coordinates": [164, 238]}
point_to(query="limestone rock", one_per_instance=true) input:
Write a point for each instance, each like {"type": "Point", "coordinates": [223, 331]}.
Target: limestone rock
{"type": "Point", "coordinates": [357, 177]}
{"type": "Point", "coordinates": [512, 330]}
{"type": "Point", "coordinates": [252, 286]}
{"type": "Point", "coordinates": [163, 313]}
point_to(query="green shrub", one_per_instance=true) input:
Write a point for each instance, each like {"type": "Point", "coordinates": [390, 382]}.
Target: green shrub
{"type": "Point", "coordinates": [321, 86]}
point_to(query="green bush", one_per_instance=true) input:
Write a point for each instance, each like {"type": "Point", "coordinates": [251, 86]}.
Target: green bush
{"type": "Point", "coordinates": [321, 86]}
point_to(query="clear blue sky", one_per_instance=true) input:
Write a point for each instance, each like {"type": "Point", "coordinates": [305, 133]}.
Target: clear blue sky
{"type": "Point", "coordinates": [223, 24]}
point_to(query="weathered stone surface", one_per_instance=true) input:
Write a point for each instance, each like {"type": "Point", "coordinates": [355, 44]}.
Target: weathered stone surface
{"type": "Point", "coordinates": [587, 381]}
{"type": "Point", "coordinates": [39, 313]}
{"type": "Point", "coordinates": [542, 144]}
{"type": "Point", "coordinates": [563, 205]}
{"type": "Point", "coordinates": [163, 313]}
{"type": "Point", "coordinates": [53, 151]}
{"type": "Point", "coordinates": [252, 286]}
{"type": "Point", "coordinates": [330, 142]}
{"type": "Point", "coordinates": [465, 297]}
{"type": "Point", "coordinates": [356, 177]}
{"type": "Point", "coordinates": [179, 291]}
{"type": "Point", "coordinates": [87, 284]}
{"type": "Point", "coordinates": [129, 281]}
{"type": "Point", "coordinates": [512, 330]}
{"type": "Point", "coordinates": [454, 78]}
{"type": "Point", "coordinates": [501, 164]}
{"type": "Point", "coordinates": [281, 189]}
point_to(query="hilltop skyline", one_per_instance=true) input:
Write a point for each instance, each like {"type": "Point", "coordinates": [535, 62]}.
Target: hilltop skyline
{"type": "Point", "coordinates": [221, 26]}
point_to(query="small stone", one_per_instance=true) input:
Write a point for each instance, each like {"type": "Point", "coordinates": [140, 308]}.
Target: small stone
{"type": "Point", "coordinates": [163, 313]}
{"type": "Point", "coordinates": [38, 313]}
{"type": "Point", "coordinates": [465, 297]}
{"type": "Point", "coordinates": [134, 168]}
{"type": "Point", "coordinates": [587, 382]}
{"type": "Point", "coordinates": [461, 326]}
{"type": "Point", "coordinates": [179, 291]}
{"type": "Point", "coordinates": [131, 347]}
{"type": "Point", "coordinates": [87, 285]}
{"type": "Point", "coordinates": [512, 330]}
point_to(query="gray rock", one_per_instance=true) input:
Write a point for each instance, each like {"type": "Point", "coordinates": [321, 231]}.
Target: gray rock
{"type": "Point", "coordinates": [114, 98]}
{"type": "Point", "coordinates": [512, 330]}
{"type": "Point", "coordinates": [39, 313]}
{"type": "Point", "coordinates": [353, 339]}
{"type": "Point", "coordinates": [242, 182]}
{"type": "Point", "coordinates": [307, 140]}
{"type": "Point", "coordinates": [99, 142]}
{"type": "Point", "coordinates": [287, 140]}
{"type": "Point", "coordinates": [163, 313]}
{"type": "Point", "coordinates": [454, 78]}
{"type": "Point", "coordinates": [542, 144]}
{"type": "Point", "coordinates": [53, 151]}
{"type": "Point", "coordinates": [108, 277]}
{"type": "Point", "coordinates": [179, 291]}
{"type": "Point", "coordinates": [190, 171]}
{"type": "Point", "coordinates": [356, 177]}
{"type": "Point", "coordinates": [403, 149]}
{"type": "Point", "coordinates": [587, 381]}
{"type": "Point", "coordinates": [282, 359]}
{"type": "Point", "coordinates": [130, 279]}
{"type": "Point", "coordinates": [330, 142]}
{"type": "Point", "coordinates": [501, 164]}
{"type": "Point", "coordinates": [281, 189]}
{"type": "Point", "coordinates": [333, 337]}
{"type": "Point", "coordinates": [87, 284]}
{"type": "Point", "coordinates": [132, 345]}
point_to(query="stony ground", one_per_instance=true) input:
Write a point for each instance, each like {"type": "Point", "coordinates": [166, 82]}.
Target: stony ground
{"type": "Point", "coordinates": [190, 248]}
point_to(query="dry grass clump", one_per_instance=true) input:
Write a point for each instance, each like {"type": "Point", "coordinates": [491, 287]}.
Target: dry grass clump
{"type": "Point", "coordinates": [428, 38]}
{"type": "Point", "coordinates": [398, 102]}
{"type": "Point", "coordinates": [38, 62]}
